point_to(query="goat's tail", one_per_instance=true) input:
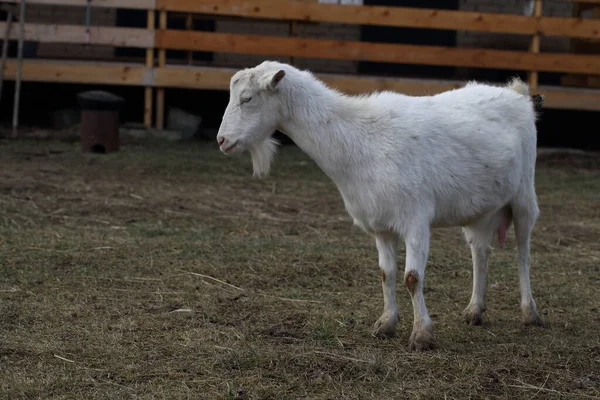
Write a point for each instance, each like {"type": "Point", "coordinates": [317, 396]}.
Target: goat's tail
{"type": "Point", "coordinates": [521, 87]}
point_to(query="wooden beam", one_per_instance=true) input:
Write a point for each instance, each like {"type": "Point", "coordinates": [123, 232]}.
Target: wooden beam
{"type": "Point", "coordinates": [382, 52]}
{"type": "Point", "coordinates": [99, 35]}
{"type": "Point", "coordinates": [534, 46]}
{"type": "Point", "coordinates": [162, 62]}
{"type": "Point", "coordinates": [149, 64]}
{"type": "Point", "coordinates": [78, 72]}
{"type": "Point", "coordinates": [292, 32]}
{"type": "Point", "coordinates": [189, 25]}
{"type": "Point", "coordinates": [390, 16]}
{"type": "Point", "coordinates": [130, 4]}
{"type": "Point", "coordinates": [199, 78]}
{"type": "Point", "coordinates": [570, 99]}
{"type": "Point", "coordinates": [412, 87]}
{"type": "Point", "coordinates": [218, 79]}
{"type": "Point", "coordinates": [21, 17]}
{"type": "Point", "coordinates": [211, 78]}
{"type": "Point", "coordinates": [580, 81]}
{"type": "Point", "coordinates": [582, 1]}
{"type": "Point", "coordinates": [205, 78]}
{"type": "Point", "coordinates": [7, 27]}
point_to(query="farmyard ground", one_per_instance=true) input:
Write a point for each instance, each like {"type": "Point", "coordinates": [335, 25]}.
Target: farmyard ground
{"type": "Point", "coordinates": [166, 272]}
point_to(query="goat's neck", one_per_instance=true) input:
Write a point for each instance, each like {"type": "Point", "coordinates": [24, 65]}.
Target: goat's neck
{"type": "Point", "coordinates": [322, 127]}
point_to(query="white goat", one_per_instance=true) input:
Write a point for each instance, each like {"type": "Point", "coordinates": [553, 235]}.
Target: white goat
{"type": "Point", "coordinates": [403, 165]}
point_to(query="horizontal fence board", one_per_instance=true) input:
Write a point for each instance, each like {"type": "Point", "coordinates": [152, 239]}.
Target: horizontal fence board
{"type": "Point", "coordinates": [570, 99]}
{"type": "Point", "coordinates": [79, 72]}
{"type": "Point", "coordinates": [583, 1]}
{"type": "Point", "coordinates": [218, 79]}
{"type": "Point", "coordinates": [99, 35]}
{"type": "Point", "coordinates": [37, 70]}
{"type": "Point", "coordinates": [131, 4]}
{"type": "Point", "coordinates": [382, 52]}
{"type": "Point", "coordinates": [195, 78]}
{"type": "Point", "coordinates": [412, 87]}
{"type": "Point", "coordinates": [390, 16]}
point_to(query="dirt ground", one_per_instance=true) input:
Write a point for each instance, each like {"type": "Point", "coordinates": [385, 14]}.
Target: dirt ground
{"type": "Point", "coordinates": [165, 271]}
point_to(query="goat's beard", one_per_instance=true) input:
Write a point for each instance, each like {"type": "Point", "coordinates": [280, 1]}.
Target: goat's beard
{"type": "Point", "coordinates": [262, 154]}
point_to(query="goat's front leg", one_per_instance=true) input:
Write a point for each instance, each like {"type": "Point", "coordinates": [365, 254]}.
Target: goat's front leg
{"type": "Point", "coordinates": [417, 250]}
{"type": "Point", "coordinates": [387, 246]}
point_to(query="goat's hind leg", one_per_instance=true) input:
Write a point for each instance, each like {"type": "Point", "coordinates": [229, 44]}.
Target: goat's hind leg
{"type": "Point", "coordinates": [387, 245]}
{"type": "Point", "coordinates": [417, 251]}
{"type": "Point", "coordinates": [479, 235]}
{"type": "Point", "coordinates": [525, 211]}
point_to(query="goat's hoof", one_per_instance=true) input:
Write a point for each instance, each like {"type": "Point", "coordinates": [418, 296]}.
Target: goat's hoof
{"type": "Point", "coordinates": [473, 314]}
{"type": "Point", "coordinates": [385, 327]}
{"type": "Point", "coordinates": [531, 318]}
{"type": "Point", "coordinates": [530, 315]}
{"type": "Point", "coordinates": [422, 339]}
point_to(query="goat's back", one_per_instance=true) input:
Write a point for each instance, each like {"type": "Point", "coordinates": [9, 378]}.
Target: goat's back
{"type": "Point", "coordinates": [460, 153]}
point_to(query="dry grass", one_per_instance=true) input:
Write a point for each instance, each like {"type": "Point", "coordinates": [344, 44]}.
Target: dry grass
{"type": "Point", "coordinates": [169, 273]}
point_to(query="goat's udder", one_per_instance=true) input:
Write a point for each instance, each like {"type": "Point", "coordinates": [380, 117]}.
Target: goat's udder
{"type": "Point", "coordinates": [505, 221]}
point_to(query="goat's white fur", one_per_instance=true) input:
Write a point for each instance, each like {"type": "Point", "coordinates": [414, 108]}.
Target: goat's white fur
{"type": "Point", "coordinates": [404, 164]}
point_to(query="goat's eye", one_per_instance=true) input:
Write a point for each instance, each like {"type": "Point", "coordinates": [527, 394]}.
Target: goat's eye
{"type": "Point", "coordinates": [245, 100]}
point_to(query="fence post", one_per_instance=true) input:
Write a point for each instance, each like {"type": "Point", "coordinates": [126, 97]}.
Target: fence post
{"type": "Point", "coordinates": [293, 32]}
{"type": "Point", "coordinates": [534, 47]}
{"type": "Point", "coordinates": [7, 30]}
{"type": "Point", "coordinates": [189, 25]}
{"type": "Point", "coordinates": [162, 61]}
{"type": "Point", "coordinates": [15, 121]}
{"type": "Point", "coordinates": [149, 65]}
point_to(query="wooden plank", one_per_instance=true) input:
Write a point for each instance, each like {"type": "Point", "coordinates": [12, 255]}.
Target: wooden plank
{"type": "Point", "coordinates": [534, 46]}
{"type": "Point", "coordinates": [292, 32]}
{"type": "Point", "coordinates": [189, 25]}
{"type": "Point", "coordinates": [198, 78]}
{"type": "Point", "coordinates": [580, 81]}
{"type": "Point", "coordinates": [99, 35]}
{"type": "Point", "coordinates": [162, 61]}
{"type": "Point", "coordinates": [412, 87]}
{"type": "Point", "coordinates": [77, 72]}
{"type": "Point", "coordinates": [9, 19]}
{"type": "Point", "coordinates": [148, 107]}
{"type": "Point", "coordinates": [382, 52]}
{"type": "Point", "coordinates": [149, 64]}
{"type": "Point", "coordinates": [390, 16]}
{"type": "Point", "coordinates": [570, 99]}
{"type": "Point", "coordinates": [218, 79]}
{"type": "Point", "coordinates": [582, 1]}
{"type": "Point", "coordinates": [130, 4]}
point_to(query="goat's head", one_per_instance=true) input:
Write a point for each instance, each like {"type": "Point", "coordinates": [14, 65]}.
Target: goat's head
{"type": "Point", "coordinates": [253, 114]}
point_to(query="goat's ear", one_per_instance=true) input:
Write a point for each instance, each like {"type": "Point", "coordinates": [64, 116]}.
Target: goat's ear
{"type": "Point", "coordinates": [275, 79]}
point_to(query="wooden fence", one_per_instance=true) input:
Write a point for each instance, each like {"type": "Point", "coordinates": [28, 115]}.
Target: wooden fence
{"type": "Point", "coordinates": [156, 75]}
